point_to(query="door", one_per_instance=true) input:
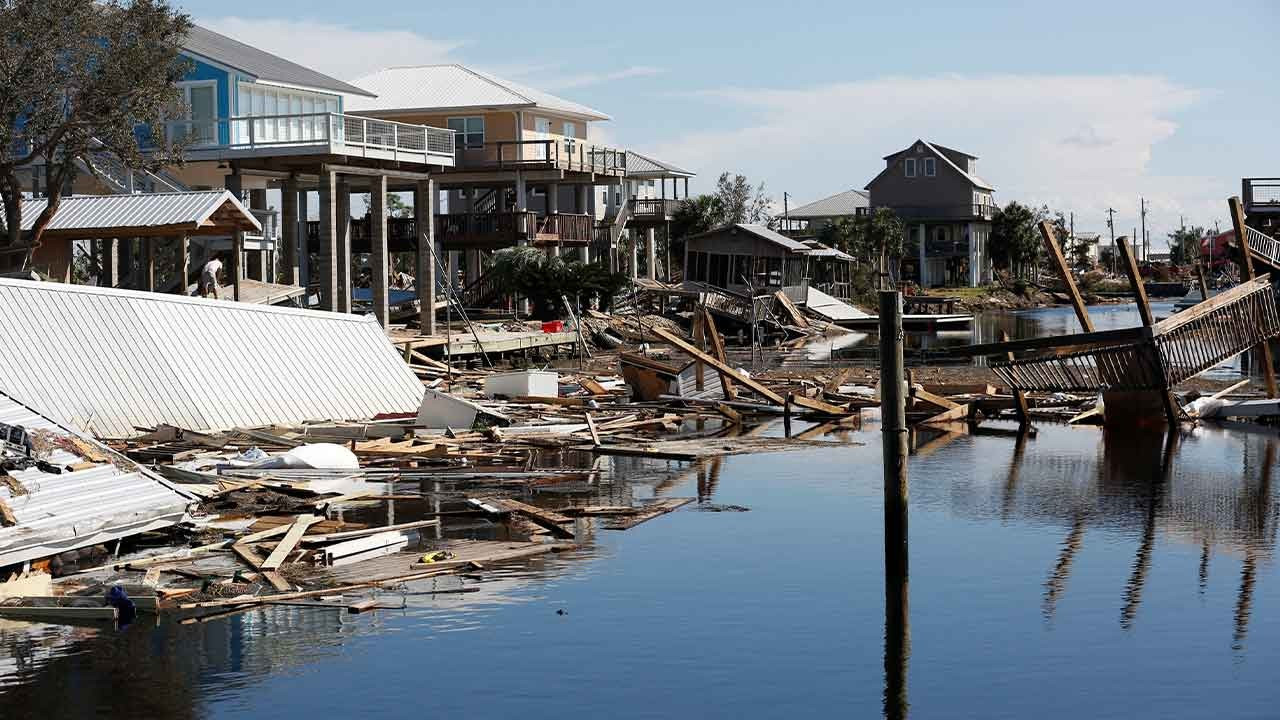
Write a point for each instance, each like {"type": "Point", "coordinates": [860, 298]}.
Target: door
{"type": "Point", "coordinates": [542, 131]}
{"type": "Point", "coordinates": [202, 112]}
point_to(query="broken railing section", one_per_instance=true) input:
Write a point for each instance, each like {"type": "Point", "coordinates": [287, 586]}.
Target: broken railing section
{"type": "Point", "coordinates": [1171, 352]}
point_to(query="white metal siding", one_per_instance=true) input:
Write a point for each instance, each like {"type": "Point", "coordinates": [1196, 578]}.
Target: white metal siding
{"type": "Point", "coordinates": [108, 361]}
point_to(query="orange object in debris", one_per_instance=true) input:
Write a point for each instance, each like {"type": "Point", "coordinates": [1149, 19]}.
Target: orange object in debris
{"type": "Point", "coordinates": [553, 326]}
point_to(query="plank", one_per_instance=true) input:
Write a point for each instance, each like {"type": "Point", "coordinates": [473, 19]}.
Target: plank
{"type": "Point", "coordinates": [717, 347]}
{"type": "Point", "coordinates": [591, 425]}
{"type": "Point", "coordinates": [1064, 271]}
{"type": "Point", "coordinates": [816, 405]}
{"type": "Point", "coordinates": [351, 534]}
{"type": "Point", "coordinates": [254, 559]}
{"type": "Point", "coordinates": [722, 367]}
{"type": "Point", "coordinates": [797, 318]}
{"type": "Point", "coordinates": [593, 387]}
{"type": "Point", "coordinates": [290, 541]}
{"type": "Point", "coordinates": [920, 394]}
{"type": "Point", "coordinates": [661, 507]}
{"type": "Point", "coordinates": [959, 412]}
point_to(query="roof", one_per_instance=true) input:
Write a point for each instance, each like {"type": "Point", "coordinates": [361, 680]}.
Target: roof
{"type": "Point", "coordinates": [817, 249]}
{"type": "Point", "coordinates": [108, 361]}
{"type": "Point", "coordinates": [759, 231]}
{"type": "Point", "coordinates": [644, 166]}
{"type": "Point", "coordinates": [260, 64]}
{"type": "Point", "coordinates": [73, 509]}
{"type": "Point", "coordinates": [197, 212]}
{"type": "Point", "coordinates": [842, 203]}
{"type": "Point", "coordinates": [449, 87]}
{"type": "Point", "coordinates": [938, 150]}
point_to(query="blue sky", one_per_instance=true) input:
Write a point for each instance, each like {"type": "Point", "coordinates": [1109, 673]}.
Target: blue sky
{"type": "Point", "coordinates": [1083, 105]}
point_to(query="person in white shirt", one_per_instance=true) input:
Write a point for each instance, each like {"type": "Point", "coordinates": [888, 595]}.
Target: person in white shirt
{"type": "Point", "coordinates": [209, 278]}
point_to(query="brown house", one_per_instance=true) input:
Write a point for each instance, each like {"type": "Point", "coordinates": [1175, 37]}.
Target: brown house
{"type": "Point", "coordinates": [947, 210]}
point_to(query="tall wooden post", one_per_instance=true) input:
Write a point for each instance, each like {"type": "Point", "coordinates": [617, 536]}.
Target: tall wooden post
{"type": "Point", "coordinates": [424, 224]}
{"type": "Point", "coordinates": [184, 263]}
{"type": "Point", "coordinates": [1019, 397]}
{"type": "Point", "coordinates": [1204, 282]}
{"type": "Point", "coordinates": [289, 230]}
{"type": "Point", "coordinates": [378, 249]}
{"type": "Point", "coordinates": [327, 258]}
{"type": "Point", "coordinates": [1130, 264]}
{"type": "Point", "coordinates": [342, 261]}
{"type": "Point", "coordinates": [1064, 271]}
{"type": "Point", "coordinates": [1246, 273]}
{"type": "Point", "coordinates": [893, 427]}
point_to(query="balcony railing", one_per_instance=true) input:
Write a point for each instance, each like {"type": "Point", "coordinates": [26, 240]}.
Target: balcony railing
{"type": "Point", "coordinates": [944, 212]}
{"type": "Point", "coordinates": [566, 229]}
{"type": "Point", "coordinates": [330, 133]}
{"type": "Point", "coordinates": [563, 154]}
{"type": "Point", "coordinates": [1261, 194]}
{"type": "Point", "coordinates": [485, 230]}
{"type": "Point", "coordinates": [643, 209]}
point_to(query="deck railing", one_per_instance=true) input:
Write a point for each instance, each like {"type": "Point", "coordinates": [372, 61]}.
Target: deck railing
{"type": "Point", "coordinates": [564, 154]}
{"type": "Point", "coordinates": [357, 134]}
{"type": "Point", "coordinates": [653, 208]}
{"type": "Point", "coordinates": [1261, 193]}
{"type": "Point", "coordinates": [973, 211]}
{"type": "Point", "coordinates": [568, 228]}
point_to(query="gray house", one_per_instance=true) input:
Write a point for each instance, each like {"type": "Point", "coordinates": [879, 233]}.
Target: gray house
{"type": "Point", "coordinates": [733, 255]}
{"type": "Point", "coordinates": [947, 210]}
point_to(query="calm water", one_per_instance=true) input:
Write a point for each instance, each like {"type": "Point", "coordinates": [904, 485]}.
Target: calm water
{"type": "Point", "coordinates": [1072, 574]}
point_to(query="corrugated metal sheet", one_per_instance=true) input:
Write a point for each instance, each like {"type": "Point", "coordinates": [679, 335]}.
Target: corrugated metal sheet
{"type": "Point", "coordinates": [86, 212]}
{"type": "Point", "coordinates": [77, 509]}
{"type": "Point", "coordinates": [454, 86]}
{"type": "Point", "coordinates": [261, 64]}
{"type": "Point", "coordinates": [107, 361]}
{"type": "Point", "coordinates": [644, 166]}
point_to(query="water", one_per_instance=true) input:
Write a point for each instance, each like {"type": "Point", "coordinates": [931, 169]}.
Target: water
{"type": "Point", "coordinates": [1077, 573]}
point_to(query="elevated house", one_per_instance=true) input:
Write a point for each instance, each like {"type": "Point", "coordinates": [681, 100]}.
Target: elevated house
{"type": "Point", "coordinates": [255, 121]}
{"type": "Point", "coordinates": [526, 167]}
{"type": "Point", "coordinates": [1261, 200]}
{"type": "Point", "coordinates": [748, 260]}
{"type": "Point", "coordinates": [809, 220]}
{"type": "Point", "coordinates": [947, 209]}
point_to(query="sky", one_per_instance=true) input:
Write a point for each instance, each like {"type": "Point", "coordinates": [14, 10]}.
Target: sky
{"type": "Point", "coordinates": [1082, 106]}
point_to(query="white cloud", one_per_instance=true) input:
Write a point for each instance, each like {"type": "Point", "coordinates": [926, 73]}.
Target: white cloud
{"type": "Point", "coordinates": [1081, 143]}
{"type": "Point", "coordinates": [342, 52]}
{"type": "Point", "coordinates": [587, 79]}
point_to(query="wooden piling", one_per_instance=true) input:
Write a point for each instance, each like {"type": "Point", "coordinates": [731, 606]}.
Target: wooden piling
{"type": "Point", "coordinates": [1204, 282]}
{"type": "Point", "coordinates": [1019, 397]}
{"type": "Point", "coordinates": [893, 428]}
{"type": "Point", "coordinates": [1064, 271]}
{"type": "Point", "coordinates": [1130, 264]}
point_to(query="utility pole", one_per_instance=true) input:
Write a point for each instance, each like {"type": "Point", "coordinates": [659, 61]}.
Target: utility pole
{"type": "Point", "coordinates": [786, 213]}
{"type": "Point", "coordinates": [1071, 242]}
{"type": "Point", "coordinates": [1111, 225]}
{"type": "Point", "coordinates": [1142, 204]}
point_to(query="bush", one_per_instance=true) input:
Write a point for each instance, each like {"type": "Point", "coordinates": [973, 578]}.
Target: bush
{"type": "Point", "coordinates": [1090, 280]}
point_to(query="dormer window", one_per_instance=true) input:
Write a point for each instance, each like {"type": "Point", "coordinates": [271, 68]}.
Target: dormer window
{"type": "Point", "coordinates": [930, 167]}
{"type": "Point", "coordinates": [910, 166]}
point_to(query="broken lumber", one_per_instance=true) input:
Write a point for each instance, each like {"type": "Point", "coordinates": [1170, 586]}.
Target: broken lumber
{"type": "Point", "coordinates": [722, 367]}
{"type": "Point", "coordinates": [649, 512]}
{"type": "Point", "coordinates": [289, 542]}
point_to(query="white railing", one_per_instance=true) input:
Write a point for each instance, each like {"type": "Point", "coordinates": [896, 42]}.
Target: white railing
{"type": "Point", "coordinates": [284, 131]}
{"type": "Point", "coordinates": [1263, 244]}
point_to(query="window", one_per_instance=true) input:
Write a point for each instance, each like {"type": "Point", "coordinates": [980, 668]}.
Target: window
{"type": "Point", "coordinates": [930, 167]}
{"type": "Point", "coordinates": [570, 138]}
{"type": "Point", "coordinates": [911, 167]}
{"type": "Point", "coordinates": [698, 266]}
{"type": "Point", "coordinates": [201, 99]}
{"type": "Point", "coordinates": [718, 270]}
{"type": "Point", "coordinates": [469, 131]}
{"type": "Point", "coordinates": [290, 115]}
{"type": "Point", "coordinates": [741, 269]}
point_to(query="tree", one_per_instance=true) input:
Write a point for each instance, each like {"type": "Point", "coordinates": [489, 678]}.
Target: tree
{"type": "Point", "coordinates": [77, 78]}
{"type": "Point", "coordinates": [739, 203]}
{"type": "Point", "coordinates": [1184, 245]}
{"type": "Point", "coordinates": [530, 273]}
{"type": "Point", "coordinates": [696, 215]}
{"type": "Point", "coordinates": [1015, 242]}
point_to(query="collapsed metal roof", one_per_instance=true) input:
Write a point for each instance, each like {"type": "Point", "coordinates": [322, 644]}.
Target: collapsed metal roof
{"type": "Point", "coordinates": [109, 361]}
{"type": "Point", "coordinates": [111, 497]}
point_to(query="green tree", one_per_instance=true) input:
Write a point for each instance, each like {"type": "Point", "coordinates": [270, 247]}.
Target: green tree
{"type": "Point", "coordinates": [80, 77]}
{"type": "Point", "coordinates": [740, 203]}
{"type": "Point", "coordinates": [547, 280]}
{"type": "Point", "coordinates": [1184, 245]}
{"type": "Point", "coordinates": [1015, 243]}
{"type": "Point", "coordinates": [697, 214]}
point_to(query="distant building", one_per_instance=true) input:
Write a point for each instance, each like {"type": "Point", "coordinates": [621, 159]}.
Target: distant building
{"type": "Point", "coordinates": [812, 218]}
{"type": "Point", "coordinates": [947, 210]}
{"type": "Point", "coordinates": [1092, 242]}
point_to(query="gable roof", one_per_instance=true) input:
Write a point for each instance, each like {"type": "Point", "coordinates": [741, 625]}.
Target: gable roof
{"type": "Point", "coordinates": [644, 166]}
{"type": "Point", "coordinates": [759, 231]}
{"type": "Point", "coordinates": [452, 86]}
{"type": "Point", "coordinates": [198, 211]}
{"type": "Point", "coordinates": [937, 150]}
{"type": "Point", "coordinates": [842, 203]}
{"type": "Point", "coordinates": [261, 64]}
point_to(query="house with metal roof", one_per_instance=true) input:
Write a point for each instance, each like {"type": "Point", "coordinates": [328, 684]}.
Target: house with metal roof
{"type": "Point", "coordinates": [947, 208]}
{"type": "Point", "coordinates": [747, 259]}
{"type": "Point", "coordinates": [810, 219]}
{"type": "Point", "coordinates": [527, 170]}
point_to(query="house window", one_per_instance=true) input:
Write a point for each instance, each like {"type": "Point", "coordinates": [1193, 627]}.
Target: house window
{"type": "Point", "coordinates": [201, 99]}
{"type": "Point", "coordinates": [911, 167]}
{"type": "Point", "coordinates": [469, 131]}
{"type": "Point", "coordinates": [570, 138]}
{"type": "Point", "coordinates": [930, 167]}
{"type": "Point", "coordinates": [698, 266]}
{"type": "Point", "coordinates": [718, 270]}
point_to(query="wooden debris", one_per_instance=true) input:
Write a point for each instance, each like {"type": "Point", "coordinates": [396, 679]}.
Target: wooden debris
{"type": "Point", "coordinates": [649, 512]}
{"type": "Point", "coordinates": [290, 541]}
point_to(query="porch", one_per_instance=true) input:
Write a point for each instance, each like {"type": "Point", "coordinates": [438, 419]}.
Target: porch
{"type": "Point", "coordinates": [474, 231]}
{"type": "Point", "coordinates": [313, 134]}
{"type": "Point", "coordinates": [566, 155]}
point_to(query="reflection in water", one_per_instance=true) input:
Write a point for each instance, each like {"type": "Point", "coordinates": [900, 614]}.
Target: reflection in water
{"type": "Point", "coordinates": [1142, 443]}
{"type": "Point", "coordinates": [1057, 581]}
{"type": "Point", "coordinates": [897, 645]}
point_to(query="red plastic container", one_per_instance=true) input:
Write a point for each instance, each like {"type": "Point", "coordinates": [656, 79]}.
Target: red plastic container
{"type": "Point", "coordinates": [553, 326]}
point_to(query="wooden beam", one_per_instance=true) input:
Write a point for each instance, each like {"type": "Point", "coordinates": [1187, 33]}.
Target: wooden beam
{"type": "Point", "coordinates": [717, 347]}
{"type": "Point", "coordinates": [1019, 397]}
{"type": "Point", "coordinates": [719, 365]}
{"type": "Point", "coordinates": [957, 413]}
{"type": "Point", "coordinates": [1130, 264]}
{"type": "Point", "coordinates": [591, 425]}
{"type": "Point", "coordinates": [1064, 271]}
{"type": "Point", "coordinates": [290, 541]}
{"type": "Point", "coordinates": [1204, 282]}
{"type": "Point", "coordinates": [1246, 267]}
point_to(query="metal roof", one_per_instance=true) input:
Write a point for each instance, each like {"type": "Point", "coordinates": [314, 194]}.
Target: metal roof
{"type": "Point", "coordinates": [644, 166]}
{"type": "Point", "coordinates": [973, 179]}
{"type": "Point", "coordinates": [86, 507]}
{"type": "Point", "coordinates": [193, 210]}
{"type": "Point", "coordinates": [759, 231]}
{"type": "Point", "coordinates": [449, 87]}
{"type": "Point", "coordinates": [260, 64]}
{"type": "Point", "coordinates": [107, 361]}
{"type": "Point", "coordinates": [843, 203]}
